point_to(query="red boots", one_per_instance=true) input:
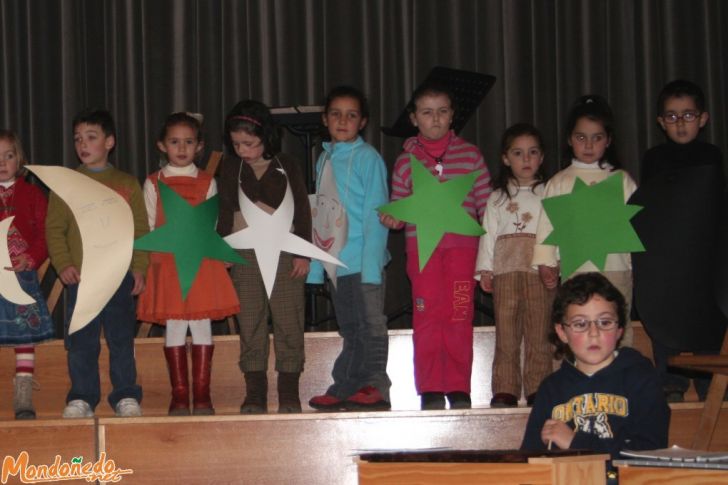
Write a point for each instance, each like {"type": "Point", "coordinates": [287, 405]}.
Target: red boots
{"type": "Point", "coordinates": [177, 365]}
{"type": "Point", "coordinates": [201, 368]}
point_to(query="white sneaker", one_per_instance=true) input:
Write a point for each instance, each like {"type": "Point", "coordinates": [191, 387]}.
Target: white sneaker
{"type": "Point", "coordinates": [78, 408]}
{"type": "Point", "coordinates": [128, 408]}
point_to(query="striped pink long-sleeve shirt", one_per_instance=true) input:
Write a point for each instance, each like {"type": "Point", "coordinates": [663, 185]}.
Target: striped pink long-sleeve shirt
{"type": "Point", "coordinates": [460, 158]}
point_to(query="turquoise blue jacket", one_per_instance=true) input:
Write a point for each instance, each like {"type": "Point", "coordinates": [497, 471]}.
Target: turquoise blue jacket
{"type": "Point", "coordinates": [361, 179]}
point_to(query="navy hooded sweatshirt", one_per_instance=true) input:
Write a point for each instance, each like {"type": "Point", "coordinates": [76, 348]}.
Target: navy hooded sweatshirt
{"type": "Point", "coordinates": [620, 407]}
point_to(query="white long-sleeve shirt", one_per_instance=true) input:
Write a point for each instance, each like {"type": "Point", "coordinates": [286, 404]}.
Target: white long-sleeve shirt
{"type": "Point", "coordinates": [563, 183]}
{"type": "Point", "coordinates": [150, 192]}
{"type": "Point", "coordinates": [510, 229]}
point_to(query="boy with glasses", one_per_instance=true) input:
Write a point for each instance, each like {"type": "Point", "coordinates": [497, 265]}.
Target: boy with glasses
{"type": "Point", "coordinates": [601, 399]}
{"type": "Point", "coordinates": [682, 188]}
{"type": "Point", "coordinates": [681, 115]}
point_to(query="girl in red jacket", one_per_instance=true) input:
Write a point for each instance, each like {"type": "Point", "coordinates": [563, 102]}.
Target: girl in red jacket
{"type": "Point", "coordinates": [21, 326]}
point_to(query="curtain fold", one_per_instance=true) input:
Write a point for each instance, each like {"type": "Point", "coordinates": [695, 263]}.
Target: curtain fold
{"type": "Point", "coordinates": [144, 60]}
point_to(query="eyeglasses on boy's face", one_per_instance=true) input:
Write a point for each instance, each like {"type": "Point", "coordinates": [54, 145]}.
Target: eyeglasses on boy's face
{"type": "Point", "coordinates": [688, 117]}
{"type": "Point", "coordinates": [582, 325]}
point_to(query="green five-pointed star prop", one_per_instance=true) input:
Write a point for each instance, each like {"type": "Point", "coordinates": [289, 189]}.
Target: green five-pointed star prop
{"type": "Point", "coordinates": [590, 223]}
{"type": "Point", "coordinates": [188, 233]}
{"type": "Point", "coordinates": [435, 208]}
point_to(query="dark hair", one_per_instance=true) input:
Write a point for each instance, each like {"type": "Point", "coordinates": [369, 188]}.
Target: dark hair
{"type": "Point", "coordinates": [578, 291]}
{"type": "Point", "coordinates": [677, 89]}
{"type": "Point", "coordinates": [505, 174]}
{"type": "Point", "coordinates": [254, 118]}
{"type": "Point", "coordinates": [594, 108]}
{"type": "Point", "coordinates": [96, 116]}
{"type": "Point", "coordinates": [181, 118]}
{"type": "Point", "coordinates": [348, 92]}
{"type": "Point", "coordinates": [11, 137]}
{"type": "Point", "coordinates": [430, 88]}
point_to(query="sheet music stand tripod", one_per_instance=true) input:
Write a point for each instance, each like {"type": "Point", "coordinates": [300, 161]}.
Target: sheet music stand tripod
{"type": "Point", "coordinates": [306, 124]}
{"type": "Point", "coordinates": [468, 89]}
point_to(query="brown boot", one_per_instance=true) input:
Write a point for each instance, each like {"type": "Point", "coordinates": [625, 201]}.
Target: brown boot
{"type": "Point", "coordinates": [288, 400]}
{"type": "Point", "coordinates": [256, 393]}
{"type": "Point", "coordinates": [177, 365]}
{"type": "Point", "coordinates": [201, 369]}
{"type": "Point", "coordinates": [23, 397]}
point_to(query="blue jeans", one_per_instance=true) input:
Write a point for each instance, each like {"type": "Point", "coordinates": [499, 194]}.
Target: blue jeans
{"type": "Point", "coordinates": [118, 319]}
{"type": "Point", "coordinates": [363, 359]}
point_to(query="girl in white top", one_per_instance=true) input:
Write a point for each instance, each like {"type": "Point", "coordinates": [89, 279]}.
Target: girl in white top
{"type": "Point", "coordinates": [522, 302]}
{"type": "Point", "coordinates": [590, 139]}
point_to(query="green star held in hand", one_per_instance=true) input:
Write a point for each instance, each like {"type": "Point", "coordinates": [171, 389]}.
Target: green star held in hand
{"type": "Point", "coordinates": [435, 208]}
{"type": "Point", "coordinates": [591, 222]}
{"type": "Point", "coordinates": [188, 233]}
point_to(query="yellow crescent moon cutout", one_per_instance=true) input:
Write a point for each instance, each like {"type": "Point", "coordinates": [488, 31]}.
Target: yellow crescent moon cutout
{"type": "Point", "coordinates": [9, 286]}
{"type": "Point", "coordinates": [107, 233]}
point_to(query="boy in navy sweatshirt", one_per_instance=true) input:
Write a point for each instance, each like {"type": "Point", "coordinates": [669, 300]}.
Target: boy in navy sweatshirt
{"type": "Point", "coordinates": [601, 399]}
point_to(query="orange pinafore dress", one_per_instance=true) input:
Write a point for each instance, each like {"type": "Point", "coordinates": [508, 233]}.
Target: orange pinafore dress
{"type": "Point", "coordinates": [212, 294]}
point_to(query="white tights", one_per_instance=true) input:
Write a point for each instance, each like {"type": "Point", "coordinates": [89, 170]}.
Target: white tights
{"type": "Point", "coordinates": [176, 334]}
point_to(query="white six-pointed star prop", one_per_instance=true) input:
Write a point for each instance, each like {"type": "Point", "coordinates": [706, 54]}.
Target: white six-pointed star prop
{"type": "Point", "coordinates": [269, 234]}
{"type": "Point", "coordinates": [9, 285]}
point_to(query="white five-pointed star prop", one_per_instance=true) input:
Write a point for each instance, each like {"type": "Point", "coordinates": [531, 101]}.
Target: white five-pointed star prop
{"type": "Point", "coordinates": [269, 234]}
{"type": "Point", "coordinates": [9, 285]}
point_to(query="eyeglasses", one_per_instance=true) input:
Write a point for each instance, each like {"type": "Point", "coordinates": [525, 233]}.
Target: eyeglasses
{"type": "Point", "coordinates": [602, 324]}
{"type": "Point", "coordinates": [688, 117]}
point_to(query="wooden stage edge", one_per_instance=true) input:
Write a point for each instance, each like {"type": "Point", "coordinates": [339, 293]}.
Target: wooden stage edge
{"type": "Point", "coordinates": [228, 388]}
{"type": "Point", "coordinates": [307, 448]}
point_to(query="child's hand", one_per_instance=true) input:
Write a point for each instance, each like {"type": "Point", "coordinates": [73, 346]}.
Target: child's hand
{"type": "Point", "coordinates": [22, 263]}
{"type": "Point", "coordinates": [486, 281]}
{"type": "Point", "coordinates": [549, 276]}
{"type": "Point", "coordinates": [300, 267]}
{"type": "Point", "coordinates": [557, 432]}
{"type": "Point", "coordinates": [390, 222]}
{"type": "Point", "coordinates": [70, 276]}
{"type": "Point", "coordinates": [138, 283]}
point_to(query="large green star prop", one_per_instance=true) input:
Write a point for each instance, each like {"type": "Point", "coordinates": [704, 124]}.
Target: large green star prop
{"type": "Point", "coordinates": [189, 234]}
{"type": "Point", "coordinates": [591, 222]}
{"type": "Point", "coordinates": [435, 208]}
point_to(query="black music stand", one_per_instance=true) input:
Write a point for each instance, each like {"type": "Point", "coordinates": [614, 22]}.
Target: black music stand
{"type": "Point", "coordinates": [468, 89]}
{"type": "Point", "coordinates": [306, 124]}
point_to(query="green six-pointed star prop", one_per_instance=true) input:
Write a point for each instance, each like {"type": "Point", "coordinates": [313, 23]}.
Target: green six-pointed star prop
{"type": "Point", "coordinates": [435, 208]}
{"type": "Point", "coordinates": [591, 222]}
{"type": "Point", "coordinates": [189, 234]}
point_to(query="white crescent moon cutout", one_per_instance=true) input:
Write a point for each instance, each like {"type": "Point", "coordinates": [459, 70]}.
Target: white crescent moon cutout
{"type": "Point", "coordinates": [9, 285]}
{"type": "Point", "coordinates": [106, 224]}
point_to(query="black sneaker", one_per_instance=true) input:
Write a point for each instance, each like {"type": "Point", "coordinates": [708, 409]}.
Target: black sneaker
{"type": "Point", "coordinates": [459, 400]}
{"type": "Point", "coordinates": [430, 401]}
{"type": "Point", "coordinates": [503, 400]}
{"type": "Point", "coordinates": [674, 395]}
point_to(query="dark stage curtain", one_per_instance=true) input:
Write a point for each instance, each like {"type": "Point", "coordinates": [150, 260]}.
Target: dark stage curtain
{"type": "Point", "coordinates": [145, 59]}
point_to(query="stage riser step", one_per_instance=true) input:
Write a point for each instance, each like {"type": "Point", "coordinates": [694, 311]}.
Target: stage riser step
{"type": "Point", "coordinates": [227, 380]}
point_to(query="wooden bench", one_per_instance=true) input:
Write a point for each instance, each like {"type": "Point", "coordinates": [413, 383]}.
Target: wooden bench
{"type": "Point", "coordinates": [293, 449]}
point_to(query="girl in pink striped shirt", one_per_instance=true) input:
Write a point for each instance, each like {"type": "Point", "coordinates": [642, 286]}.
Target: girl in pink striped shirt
{"type": "Point", "coordinates": [442, 293]}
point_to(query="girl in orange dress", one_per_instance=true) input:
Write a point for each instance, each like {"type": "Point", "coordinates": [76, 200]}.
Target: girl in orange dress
{"type": "Point", "coordinates": [211, 297]}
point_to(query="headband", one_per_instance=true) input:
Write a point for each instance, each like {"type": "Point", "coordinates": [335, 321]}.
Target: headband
{"type": "Point", "coordinates": [248, 119]}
